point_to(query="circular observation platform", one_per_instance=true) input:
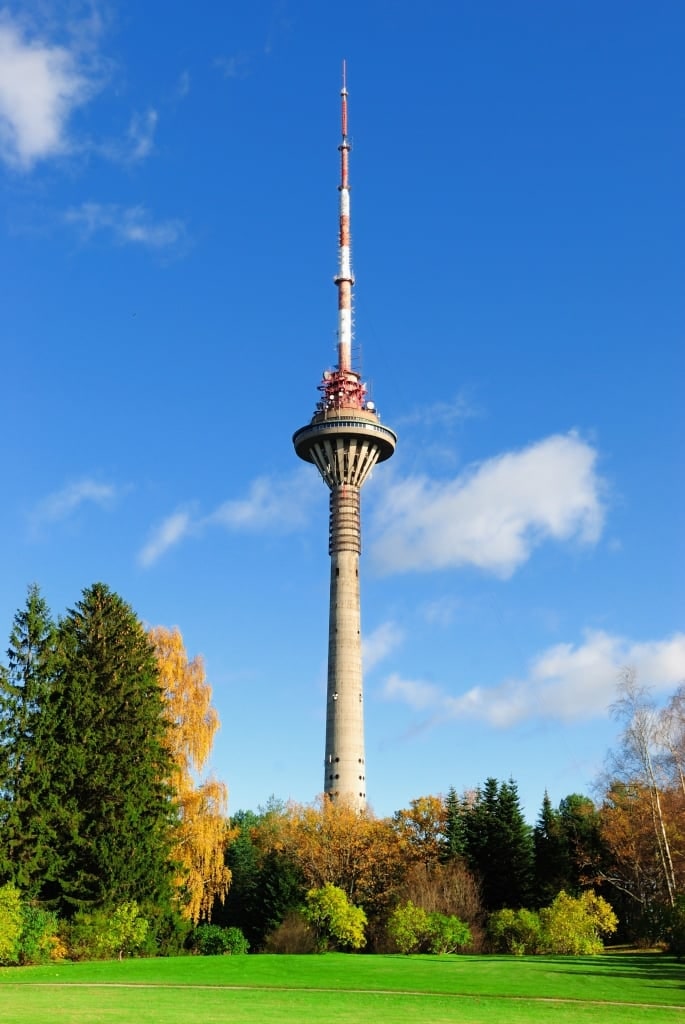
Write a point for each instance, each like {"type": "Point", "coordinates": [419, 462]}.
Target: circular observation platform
{"type": "Point", "coordinates": [351, 426]}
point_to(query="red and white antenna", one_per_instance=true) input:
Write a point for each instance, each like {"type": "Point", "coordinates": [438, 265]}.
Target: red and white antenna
{"type": "Point", "coordinates": [344, 279]}
{"type": "Point", "coordinates": [342, 388]}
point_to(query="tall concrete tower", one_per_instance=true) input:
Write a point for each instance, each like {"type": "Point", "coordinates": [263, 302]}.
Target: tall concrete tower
{"type": "Point", "coordinates": [345, 439]}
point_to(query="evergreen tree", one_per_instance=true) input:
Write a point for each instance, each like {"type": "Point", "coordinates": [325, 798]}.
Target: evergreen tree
{"type": "Point", "coordinates": [25, 796]}
{"type": "Point", "coordinates": [280, 889]}
{"type": "Point", "coordinates": [266, 883]}
{"type": "Point", "coordinates": [243, 860]}
{"type": "Point", "coordinates": [499, 846]}
{"type": "Point", "coordinates": [480, 836]}
{"type": "Point", "coordinates": [455, 829]}
{"type": "Point", "coordinates": [516, 839]}
{"type": "Point", "coordinates": [107, 760]}
{"type": "Point", "coordinates": [581, 826]}
{"type": "Point", "coordinates": [552, 856]}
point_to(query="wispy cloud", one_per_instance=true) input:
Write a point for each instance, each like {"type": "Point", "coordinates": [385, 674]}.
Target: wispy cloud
{"type": "Point", "coordinates": [493, 514]}
{"type": "Point", "coordinates": [244, 62]}
{"type": "Point", "coordinates": [378, 644]}
{"type": "Point", "coordinates": [564, 683]}
{"type": "Point", "coordinates": [136, 144]}
{"type": "Point", "coordinates": [170, 532]}
{"type": "Point", "coordinates": [41, 84]}
{"type": "Point", "coordinates": [64, 503]}
{"type": "Point", "coordinates": [141, 134]}
{"type": "Point", "coordinates": [441, 611]}
{"type": "Point", "coordinates": [418, 695]}
{"type": "Point", "coordinates": [281, 504]}
{"type": "Point", "coordinates": [183, 85]}
{"type": "Point", "coordinates": [276, 504]}
{"type": "Point", "coordinates": [440, 414]}
{"type": "Point", "coordinates": [235, 66]}
{"type": "Point", "coordinates": [126, 224]}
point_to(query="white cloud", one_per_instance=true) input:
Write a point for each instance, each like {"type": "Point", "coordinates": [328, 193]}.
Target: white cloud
{"type": "Point", "coordinates": [141, 134]}
{"type": "Point", "coordinates": [64, 503]}
{"type": "Point", "coordinates": [128, 225]}
{"type": "Point", "coordinates": [169, 533]}
{"type": "Point", "coordinates": [565, 683]}
{"type": "Point", "coordinates": [418, 695]}
{"type": "Point", "coordinates": [378, 644]}
{"type": "Point", "coordinates": [277, 504]}
{"type": "Point", "coordinates": [271, 503]}
{"type": "Point", "coordinates": [493, 514]}
{"type": "Point", "coordinates": [40, 86]}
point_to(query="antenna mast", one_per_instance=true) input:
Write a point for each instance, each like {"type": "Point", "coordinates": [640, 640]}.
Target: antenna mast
{"type": "Point", "coordinates": [344, 279]}
{"type": "Point", "coordinates": [342, 388]}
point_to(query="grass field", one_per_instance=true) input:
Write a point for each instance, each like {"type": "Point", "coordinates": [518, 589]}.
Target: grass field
{"type": "Point", "coordinates": [339, 989]}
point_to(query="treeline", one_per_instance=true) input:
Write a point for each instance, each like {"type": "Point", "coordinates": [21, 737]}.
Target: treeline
{"type": "Point", "coordinates": [459, 857]}
{"type": "Point", "coordinates": [473, 855]}
{"type": "Point", "coordinates": [110, 845]}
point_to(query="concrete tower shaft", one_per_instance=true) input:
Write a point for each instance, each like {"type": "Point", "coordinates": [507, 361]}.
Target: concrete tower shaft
{"type": "Point", "coordinates": [344, 440]}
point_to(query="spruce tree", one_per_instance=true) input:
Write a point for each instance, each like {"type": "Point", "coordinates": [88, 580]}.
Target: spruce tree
{"type": "Point", "coordinates": [265, 885]}
{"type": "Point", "coordinates": [580, 824]}
{"type": "Point", "coordinates": [242, 858]}
{"type": "Point", "coordinates": [109, 766]}
{"type": "Point", "coordinates": [26, 683]}
{"type": "Point", "coordinates": [516, 843]}
{"type": "Point", "coordinates": [552, 857]}
{"type": "Point", "coordinates": [499, 846]}
{"type": "Point", "coordinates": [455, 829]}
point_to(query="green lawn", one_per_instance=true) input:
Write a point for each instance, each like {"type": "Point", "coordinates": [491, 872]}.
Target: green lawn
{"type": "Point", "coordinates": [338, 989]}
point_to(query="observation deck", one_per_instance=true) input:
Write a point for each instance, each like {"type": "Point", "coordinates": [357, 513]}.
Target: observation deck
{"type": "Point", "coordinates": [361, 424]}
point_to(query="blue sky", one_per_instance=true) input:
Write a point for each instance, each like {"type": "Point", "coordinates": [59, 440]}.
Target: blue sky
{"type": "Point", "coordinates": [168, 220]}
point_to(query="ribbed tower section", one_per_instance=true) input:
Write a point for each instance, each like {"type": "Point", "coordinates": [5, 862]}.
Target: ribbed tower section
{"type": "Point", "coordinates": [345, 439]}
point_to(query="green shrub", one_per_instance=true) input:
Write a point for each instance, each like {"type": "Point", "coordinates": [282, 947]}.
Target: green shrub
{"type": "Point", "coordinates": [10, 924]}
{"type": "Point", "coordinates": [514, 931]}
{"type": "Point", "coordinates": [168, 932]}
{"type": "Point", "coordinates": [212, 940]}
{"type": "Point", "coordinates": [447, 933]}
{"type": "Point", "coordinates": [408, 927]}
{"type": "Point", "coordinates": [412, 930]}
{"type": "Point", "coordinates": [38, 942]}
{"type": "Point", "coordinates": [571, 924]}
{"type": "Point", "coordinates": [106, 932]}
{"type": "Point", "coordinates": [337, 922]}
{"type": "Point", "coordinates": [575, 924]}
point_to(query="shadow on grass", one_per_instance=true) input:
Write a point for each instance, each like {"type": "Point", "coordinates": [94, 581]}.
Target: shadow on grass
{"type": "Point", "coordinates": [652, 968]}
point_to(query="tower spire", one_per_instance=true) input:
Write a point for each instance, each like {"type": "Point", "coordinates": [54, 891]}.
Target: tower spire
{"type": "Point", "coordinates": [344, 440]}
{"type": "Point", "coordinates": [344, 279]}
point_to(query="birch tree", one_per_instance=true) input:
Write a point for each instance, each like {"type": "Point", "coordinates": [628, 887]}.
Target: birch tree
{"type": "Point", "coordinates": [638, 760]}
{"type": "Point", "coordinates": [203, 829]}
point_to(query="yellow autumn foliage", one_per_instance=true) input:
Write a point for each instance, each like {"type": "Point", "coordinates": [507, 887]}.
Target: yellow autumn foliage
{"type": "Point", "coordinates": [203, 829]}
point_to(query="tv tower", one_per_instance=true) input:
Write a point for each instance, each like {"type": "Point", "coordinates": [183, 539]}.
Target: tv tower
{"type": "Point", "coordinates": [345, 439]}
